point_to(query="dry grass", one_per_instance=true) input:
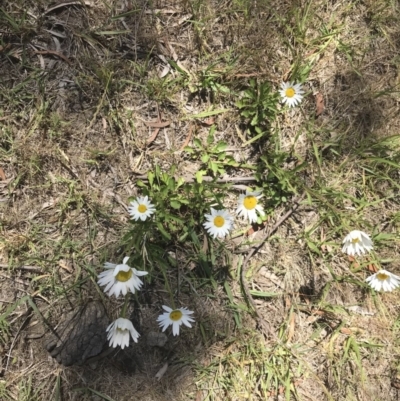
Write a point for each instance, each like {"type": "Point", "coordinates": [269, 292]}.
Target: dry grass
{"type": "Point", "coordinates": [80, 82]}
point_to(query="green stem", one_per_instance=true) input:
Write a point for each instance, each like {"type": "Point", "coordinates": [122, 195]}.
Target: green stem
{"type": "Point", "coordinates": [168, 288]}
{"type": "Point", "coordinates": [125, 306]}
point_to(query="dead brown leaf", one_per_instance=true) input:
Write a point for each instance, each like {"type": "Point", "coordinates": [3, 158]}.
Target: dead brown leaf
{"type": "Point", "coordinates": [157, 124]}
{"type": "Point", "coordinates": [319, 104]}
{"type": "Point", "coordinates": [292, 324]}
{"type": "Point", "coordinates": [188, 138]}
{"type": "Point", "coordinates": [372, 268]}
{"type": "Point", "coordinates": [345, 330]}
{"type": "Point", "coordinates": [209, 121]}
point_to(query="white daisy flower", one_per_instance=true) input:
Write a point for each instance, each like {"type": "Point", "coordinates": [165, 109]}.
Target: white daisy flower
{"type": "Point", "coordinates": [120, 278]}
{"type": "Point", "coordinates": [141, 208]}
{"type": "Point", "coordinates": [357, 242]}
{"type": "Point", "coordinates": [218, 223]}
{"type": "Point", "coordinates": [291, 93]}
{"type": "Point", "coordinates": [118, 333]}
{"type": "Point", "coordinates": [383, 281]}
{"type": "Point", "coordinates": [175, 317]}
{"type": "Point", "coordinates": [248, 205]}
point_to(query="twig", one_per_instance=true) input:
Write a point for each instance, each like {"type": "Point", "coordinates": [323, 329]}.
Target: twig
{"type": "Point", "coordinates": [188, 138]}
{"type": "Point", "coordinates": [157, 125]}
{"type": "Point", "coordinates": [209, 179]}
{"type": "Point", "coordinates": [92, 121]}
{"type": "Point", "coordinates": [260, 320]}
{"type": "Point", "coordinates": [34, 269]}
{"type": "Point", "coordinates": [28, 313]}
{"type": "Point", "coordinates": [68, 3]}
{"type": "Point", "coordinates": [53, 53]}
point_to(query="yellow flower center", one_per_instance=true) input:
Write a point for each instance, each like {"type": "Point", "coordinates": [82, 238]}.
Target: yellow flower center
{"type": "Point", "coordinates": [175, 315]}
{"type": "Point", "coordinates": [219, 221]}
{"type": "Point", "coordinates": [121, 330]}
{"type": "Point", "coordinates": [355, 240]}
{"type": "Point", "coordinates": [142, 208]}
{"type": "Point", "coordinates": [382, 276]}
{"type": "Point", "coordinates": [124, 276]}
{"type": "Point", "coordinates": [250, 202]}
{"type": "Point", "coordinates": [290, 92]}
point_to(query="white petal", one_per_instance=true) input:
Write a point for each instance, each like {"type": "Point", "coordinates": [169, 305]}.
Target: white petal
{"type": "Point", "coordinates": [140, 272]}
{"type": "Point", "coordinates": [175, 328]}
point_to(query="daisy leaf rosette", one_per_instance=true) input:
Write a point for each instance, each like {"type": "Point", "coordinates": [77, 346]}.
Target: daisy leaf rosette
{"type": "Point", "coordinates": [141, 208]}
{"type": "Point", "coordinates": [219, 223]}
{"type": "Point", "coordinates": [120, 279]}
{"type": "Point", "coordinates": [357, 243]}
{"type": "Point", "coordinates": [120, 331]}
{"type": "Point", "coordinates": [291, 93]}
{"type": "Point", "coordinates": [249, 205]}
{"type": "Point", "coordinates": [175, 317]}
{"type": "Point", "coordinates": [383, 281]}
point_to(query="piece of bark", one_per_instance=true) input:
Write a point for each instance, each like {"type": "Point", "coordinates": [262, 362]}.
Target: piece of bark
{"type": "Point", "coordinates": [80, 336]}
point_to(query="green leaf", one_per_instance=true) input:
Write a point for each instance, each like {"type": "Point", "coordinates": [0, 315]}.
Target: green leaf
{"type": "Point", "coordinates": [255, 120]}
{"type": "Point", "coordinates": [183, 237]}
{"type": "Point", "coordinates": [229, 292]}
{"type": "Point", "coordinates": [233, 163]}
{"type": "Point", "coordinates": [214, 167]}
{"type": "Point", "coordinates": [123, 15]}
{"type": "Point", "coordinates": [264, 294]}
{"type": "Point", "coordinates": [150, 177]}
{"type": "Point", "coordinates": [175, 204]}
{"type": "Point", "coordinates": [171, 184]}
{"type": "Point", "coordinates": [163, 232]}
{"type": "Point", "coordinates": [199, 176]}
{"type": "Point", "coordinates": [176, 66]}
{"type": "Point", "coordinates": [223, 88]}
{"type": "Point", "coordinates": [205, 158]}
{"type": "Point", "coordinates": [195, 239]}
{"type": "Point", "coordinates": [208, 113]}
{"type": "Point", "coordinates": [180, 182]}
{"type": "Point", "coordinates": [184, 201]}
{"type": "Point", "coordinates": [197, 142]}
{"type": "Point", "coordinates": [210, 137]}
{"type": "Point", "coordinates": [174, 218]}
{"type": "Point", "coordinates": [221, 146]}
{"type": "Point", "coordinates": [111, 32]}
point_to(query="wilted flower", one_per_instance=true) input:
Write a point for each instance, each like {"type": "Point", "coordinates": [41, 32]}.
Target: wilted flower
{"type": "Point", "coordinates": [118, 333]}
{"type": "Point", "coordinates": [383, 281]}
{"type": "Point", "coordinates": [356, 242]}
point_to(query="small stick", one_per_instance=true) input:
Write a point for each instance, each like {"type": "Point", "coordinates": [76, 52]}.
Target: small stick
{"type": "Point", "coordinates": [209, 179]}
{"type": "Point", "coordinates": [53, 53]}
{"type": "Point", "coordinates": [34, 269]}
{"type": "Point", "coordinates": [188, 138]}
{"type": "Point", "coordinates": [260, 320]}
